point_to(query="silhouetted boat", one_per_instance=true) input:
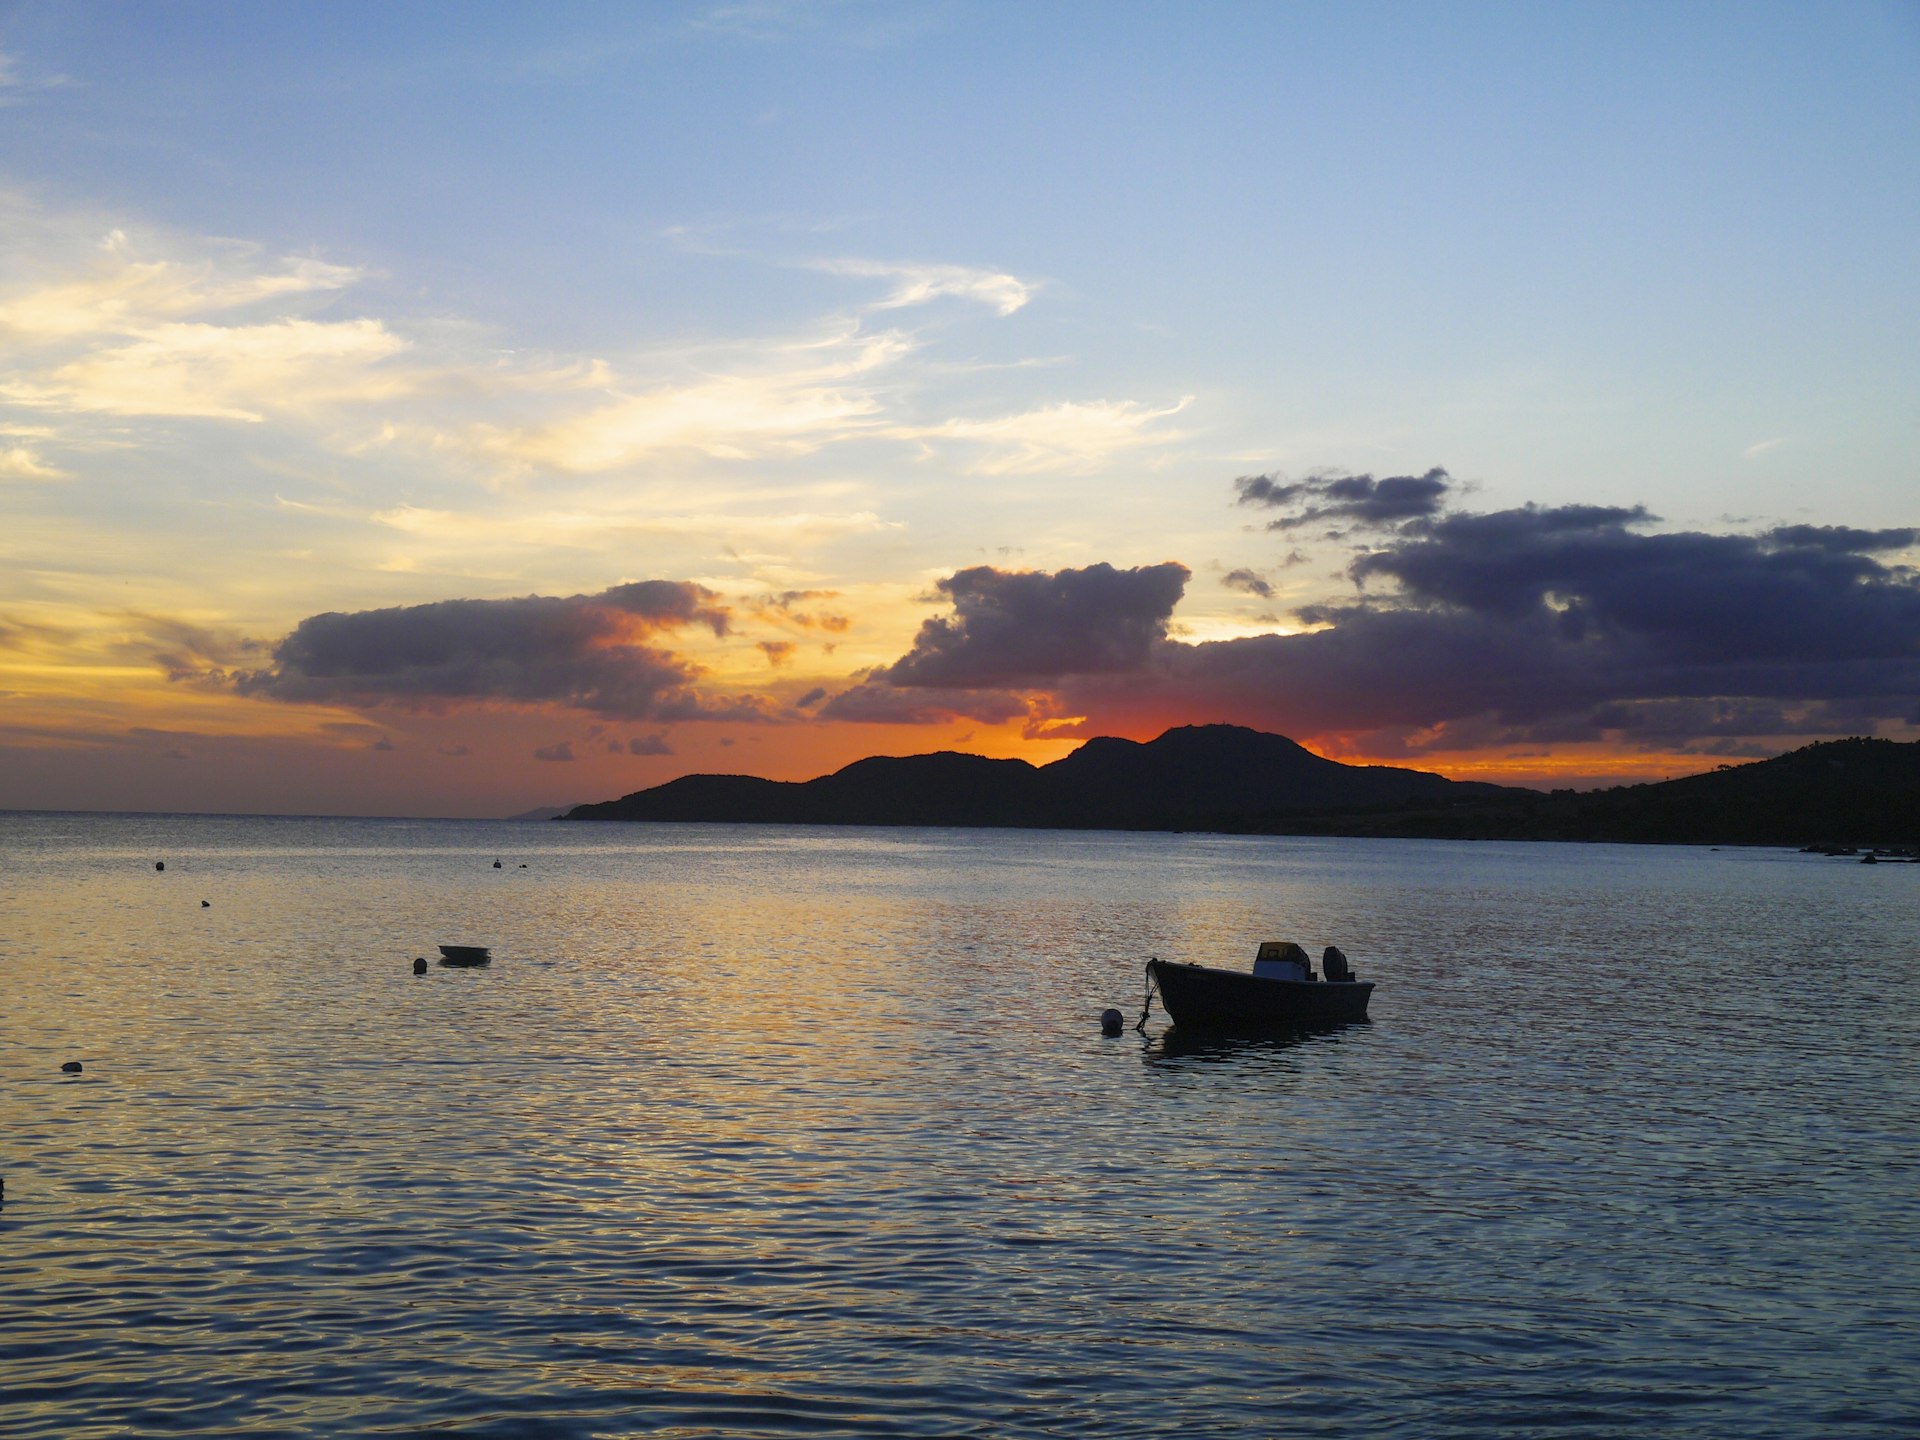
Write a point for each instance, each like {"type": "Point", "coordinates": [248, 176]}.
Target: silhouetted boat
{"type": "Point", "coordinates": [1281, 993]}
{"type": "Point", "coordinates": [465, 955]}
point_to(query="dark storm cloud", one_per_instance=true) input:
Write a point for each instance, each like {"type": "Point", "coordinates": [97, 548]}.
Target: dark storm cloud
{"type": "Point", "coordinates": [1538, 625]}
{"type": "Point", "coordinates": [1015, 627]}
{"type": "Point", "coordinates": [1567, 623]}
{"type": "Point", "coordinates": [874, 702]}
{"type": "Point", "coordinates": [1369, 668]}
{"type": "Point", "coordinates": [1249, 581]}
{"type": "Point", "coordinates": [1694, 719]}
{"type": "Point", "coordinates": [1841, 538]}
{"type": "Point", "coordinates": [1686, 598]}
{"type": "Point", "coordinates": [1359, 501]}
{"type": "Point", "coordinates": [783, 609]}
{"type": "Point", "coordinates": [665, 604]}
{"type": "Point", "coordinates": [586, 651]}
{"type": "Point", "coordinates": [186, 653]}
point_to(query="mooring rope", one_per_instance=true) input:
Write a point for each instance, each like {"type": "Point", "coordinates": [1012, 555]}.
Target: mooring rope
{"type": "Point", "coordinates": [1147, 1003]}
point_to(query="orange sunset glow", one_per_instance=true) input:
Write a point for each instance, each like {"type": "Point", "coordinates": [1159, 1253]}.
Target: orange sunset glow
{"type": "Point", "coordinates": [345, 490]}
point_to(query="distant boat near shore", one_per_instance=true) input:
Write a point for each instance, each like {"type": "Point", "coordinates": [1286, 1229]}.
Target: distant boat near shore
{"type": "Point", "coordinates": [465, 955]}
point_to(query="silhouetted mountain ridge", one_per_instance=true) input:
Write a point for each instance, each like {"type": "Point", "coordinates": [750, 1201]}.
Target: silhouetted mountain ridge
{"type": "Point", "coordinates": [1848, 792]}
{"type": "Point", "coordinates": [1194, 777]}
{"type": "Point", "coordinates": [1227, 778]}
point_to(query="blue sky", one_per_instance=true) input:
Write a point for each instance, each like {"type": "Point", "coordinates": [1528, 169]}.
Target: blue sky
{"type": "Point", "coordinates": [880, 292]}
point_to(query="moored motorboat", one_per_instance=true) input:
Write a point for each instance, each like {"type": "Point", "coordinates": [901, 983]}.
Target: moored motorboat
{"type": "Point", "coordinates": [1281, 993]}
{"type": "Point", "coordinates": [465, 955]}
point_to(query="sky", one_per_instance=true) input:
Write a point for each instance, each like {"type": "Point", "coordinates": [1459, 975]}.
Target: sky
{"type": "Point", "coordinates": [454, 409]}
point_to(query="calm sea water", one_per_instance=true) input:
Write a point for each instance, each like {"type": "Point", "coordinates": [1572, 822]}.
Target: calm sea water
{"type": "Point", "coordinates": [776, 1132]}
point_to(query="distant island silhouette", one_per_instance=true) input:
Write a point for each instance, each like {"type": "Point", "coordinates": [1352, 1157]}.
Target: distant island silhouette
{"type": "Point", "coordinates": [1239, 781]}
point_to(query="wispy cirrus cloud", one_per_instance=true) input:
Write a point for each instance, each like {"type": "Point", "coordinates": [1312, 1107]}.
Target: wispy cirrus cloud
{"type": "Point", "coordinates": [225, 372]}
{"type": "Point", "coordinates": [157, 324]}
{"type": "Point", "coordinates": [794, 400]}
{"type": "Point", "coordinates": [1072, 436]}
{"type": "Point", "coordinates": [818, 394]}
{"type": "Point", "coordinates": [19, 462]}
{"type": "Point", "coordinates": [920, 284]}
{"type": "Point", "coordinates": [144, 323]}
{"type": "Point", "coordinates": [17, 81]}
{"type": "Point", "coordinates": [610, 526]}
{"type": "Point", "coordinates": [116, 292]}
{"type": "Point", "coordinates": [772, 22]}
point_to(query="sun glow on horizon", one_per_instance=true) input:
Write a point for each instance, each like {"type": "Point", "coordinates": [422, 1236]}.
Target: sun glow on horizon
{"type": "Point", "coordinates": [430, 435]}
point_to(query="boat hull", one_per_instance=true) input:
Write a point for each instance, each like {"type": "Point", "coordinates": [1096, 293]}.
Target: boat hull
{"type": "Point", "coordinates": [465, 955]}
{"type": "Point", "coordinates": [1202, 998]}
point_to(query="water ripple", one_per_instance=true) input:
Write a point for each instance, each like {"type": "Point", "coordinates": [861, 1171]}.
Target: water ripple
{"type": "Point", "coordinates": [807, 1133]}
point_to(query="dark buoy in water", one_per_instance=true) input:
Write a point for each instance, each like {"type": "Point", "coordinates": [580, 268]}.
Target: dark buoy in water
{"type": "Point", "coordinates": [159, 864]}
{"type": "Point", "coordinates": [496, 864]}
{"type": "Point", "coordinates": [420, 965]}
{"type": "Point", "coordinates": [72, 1067]}
{"type": "Point", "coordinates": [1111, 1022]}
{"type": "Point", "coordinates": [206, 904]}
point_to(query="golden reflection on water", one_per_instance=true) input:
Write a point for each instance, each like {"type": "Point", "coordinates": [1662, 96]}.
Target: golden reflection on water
{"type": "Point", "coordinates": [785, 1131]}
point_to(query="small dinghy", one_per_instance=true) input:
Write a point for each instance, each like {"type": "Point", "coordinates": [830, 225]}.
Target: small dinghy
{"type": "Point", "coordinates": [1282, 992]}
{"type": "Point", "coordinates": [465, 955]}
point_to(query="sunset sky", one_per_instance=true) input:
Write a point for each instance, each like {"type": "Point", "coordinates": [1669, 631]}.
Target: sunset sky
{"type": "Point", "coordinates": [454, 409]}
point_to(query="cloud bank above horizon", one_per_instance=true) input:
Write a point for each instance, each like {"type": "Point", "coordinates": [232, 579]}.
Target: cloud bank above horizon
{"type": "Point", "coordinates": [1463, 630]}
{"type": "Point", "coordinates": [1528, 626]}
{"type": "Point", "coordinates": [624, 396]}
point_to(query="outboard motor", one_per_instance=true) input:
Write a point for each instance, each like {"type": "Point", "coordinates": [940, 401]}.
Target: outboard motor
{"type": "Point", "coordinates": [1333, 964]}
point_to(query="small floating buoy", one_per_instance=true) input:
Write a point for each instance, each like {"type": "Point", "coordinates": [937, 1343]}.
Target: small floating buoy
{"type": "Point", "coordinates": [523, 864]}
{"type": "Point", "coordinates": [420, 965]}
{"type": "Point", "coordinates": [1111, 1022]}
{"type": "Point", "coordinates": [206, 904]}
{"type": "Point", "coordinates": [159, 864]}
{"type": "Point", "coordinates": [496, 864]}
{"type": "Point", "coordinates": [72, 1067]}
